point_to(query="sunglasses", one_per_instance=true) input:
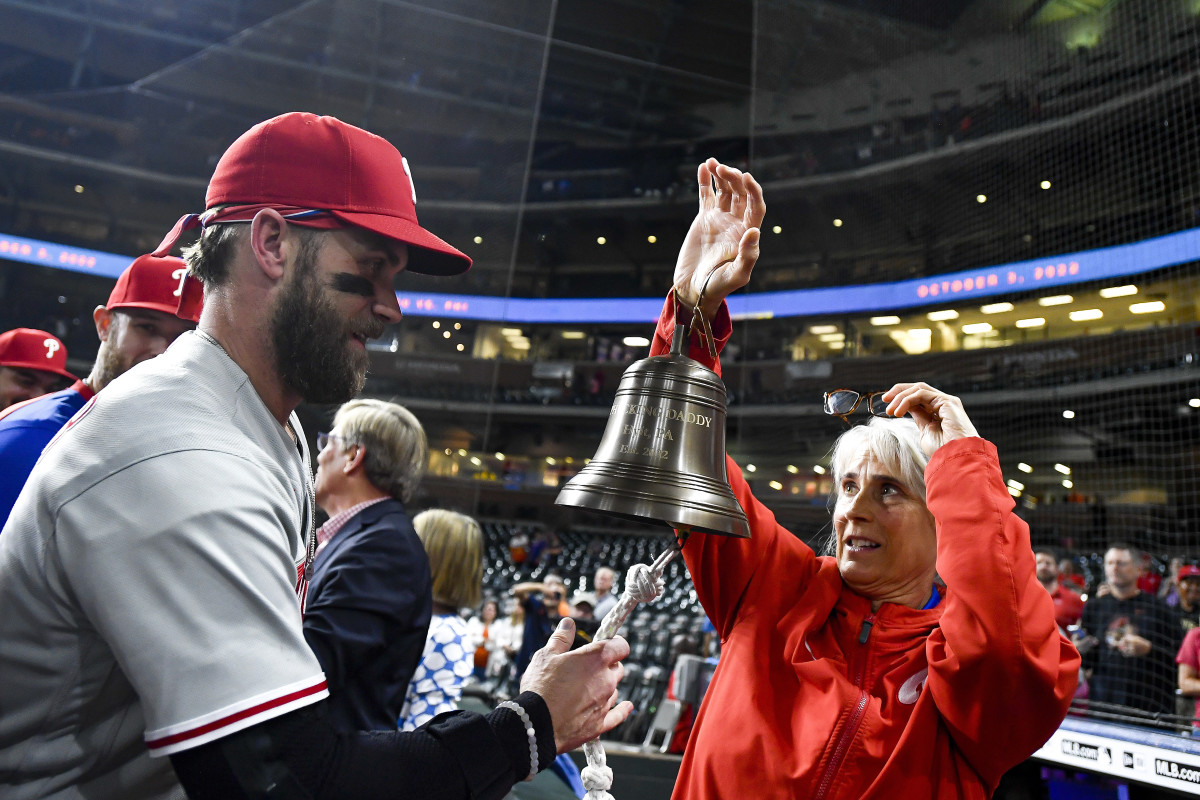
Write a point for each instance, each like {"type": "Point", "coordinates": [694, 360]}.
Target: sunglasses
{"type": "Point", "coordinates": [844, 402]}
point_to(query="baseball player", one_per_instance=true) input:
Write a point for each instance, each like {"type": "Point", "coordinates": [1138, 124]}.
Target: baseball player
{"type": "Point", "coordinates": [32, 363]}
{"type": "Point", "coordinates": [148, 571]}
{"type": "Point", "coordinates": [153, 302]}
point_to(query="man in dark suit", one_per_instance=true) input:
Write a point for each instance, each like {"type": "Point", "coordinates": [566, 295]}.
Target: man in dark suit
{"type": "Point", "coordinates": [370, 597]}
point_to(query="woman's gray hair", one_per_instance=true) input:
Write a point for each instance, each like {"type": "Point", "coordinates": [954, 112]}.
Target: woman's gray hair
{"type": "Point", "coordinates": [395, 444]}
{"type": "Point", "coordinates": [894, 442]}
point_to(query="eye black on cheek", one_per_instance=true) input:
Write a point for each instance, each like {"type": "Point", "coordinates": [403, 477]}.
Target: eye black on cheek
{"type": "Point", "coordinates": [349, 283]}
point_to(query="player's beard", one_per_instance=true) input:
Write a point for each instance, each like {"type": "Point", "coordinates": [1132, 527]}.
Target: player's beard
{"type": "Point", "coordinates": [110, 362]}
{"type": "Point", "coordinates": [311, 339]}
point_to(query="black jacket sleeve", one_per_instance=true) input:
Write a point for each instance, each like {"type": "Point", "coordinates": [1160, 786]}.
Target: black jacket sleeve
{"type": "Point", "coordinates": [455, 756]}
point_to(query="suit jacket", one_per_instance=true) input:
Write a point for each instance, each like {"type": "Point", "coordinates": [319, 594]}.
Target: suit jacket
{"type": "Point", "coordinates": [367, 615]}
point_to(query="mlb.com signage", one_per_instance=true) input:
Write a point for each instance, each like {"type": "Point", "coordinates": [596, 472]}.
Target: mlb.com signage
{"type": "Point", "coordinates": [1147, 757]}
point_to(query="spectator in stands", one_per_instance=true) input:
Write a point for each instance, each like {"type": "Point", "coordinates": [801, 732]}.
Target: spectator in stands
{"type": "Point", "coordinates": [1187, 661]}
{"type": "Point", "coordinates": [152, 304]}
{"type": "Point", "coordinates": [518, 547]}
{"type": "Point", "coordinates": [606, 599]}
{"type": "Point", "coordinates": [482, 630]}
{"type": "Point", "coordinates": [1068, 606]}
{"type": "Point", "coordinates": [583, 611]}
{"type": "Point", "coordinates": [454, 544]}
{"type": "Point", "coordinates": [1189, 597]}
{"type": "Point", "coordinates": [1149, 580]}
{"type": "Point", "coordinates": [369, 601]}
{"type": "Point", "coordinates": [1068, 573]}
{"type": "Point", "coordinates": [32, 363]}
{"type": "Point", "coordinates": [1169, 591]}
{"type": "Point", "coordinates": [889, 667]}
{"type": "Point", "coordinates": [1129, 639]}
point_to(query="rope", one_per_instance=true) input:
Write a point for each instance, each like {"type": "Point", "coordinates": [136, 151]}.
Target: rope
{"type": "Point", "coordinates": [643, 584]}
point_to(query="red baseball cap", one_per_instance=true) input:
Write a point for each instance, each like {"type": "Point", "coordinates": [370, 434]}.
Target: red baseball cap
{"type": "Point", "coordinates": [158, 283]}
{"type": "Point", "coordinates": [323, 173]}
{"type": "Point", "coordinates": [29, 348]}
{"type": "Point", "coordinates": [1188, 571]}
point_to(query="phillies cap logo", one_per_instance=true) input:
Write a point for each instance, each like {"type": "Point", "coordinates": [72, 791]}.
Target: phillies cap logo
{"type": "Point", "coordinates": [408, 172]}
{"type": "Point", "coordinates": [51, 346]}
{"type": "Point", "coordinates": [181, 276]}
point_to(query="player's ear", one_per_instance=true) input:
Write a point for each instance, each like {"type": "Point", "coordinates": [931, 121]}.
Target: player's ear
{"type": "Point", "coordinates": [268, 235]}
{"type": "Point", "coordinates": [103, 319]}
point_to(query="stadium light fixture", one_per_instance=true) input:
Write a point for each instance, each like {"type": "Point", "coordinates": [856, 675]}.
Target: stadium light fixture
{"type": "Point", "coordinates": [1015, 492]}
{"type": "Point", "coordinates": [777, 229]}
{"type": "Point", "coordinates": [574, 335]}
{"type": "Point", "coordinates": [1068, 414]}
{"type": "Point", "coordinates": [510, 332]}
{"type": "Point", "coordinates": [1024, 468]}
{"type": "Point", "coordinates": [1045, 184]}
{"type": "Point", "coordinates": [776, 485]}
{"type": "Point", "coordinates": [942, 316]}
{"type": "Point", "coordinates": [981, 198]}
{"type": "Point", "coordinates": [601, 240]}
{"type": "Point", "coordinates": [652, 239]}
{"type": "Point", "coordinates": [751, 468]}
{"type": "Point", "coordinates": [499, 456]}
{"type": "Point", "coordinates": [445, 334]}
{"type": "Point", "coordinates": [436, 324]}
{"type": "Point", "coordinates": [832, 337]}
{"type": "Point", "coordinates": [1063, 468]}
{"type": "Point", "coordinates": [462, 452]}
{"type": "Point", "coordinates": [977, 327]}
{"type": "Point", "coordinates": [1151, 307]}
{"type": "Point", "coordinates": [1016, 484]}
{"type": "Point", "coordinates": [460, 347]}
{"type": "Point", "coordinates": [635, 341]}
{"type": "Point", "coordinates": [838, 345]}
{"type": "Point", "coordinates": [1031, 322]}
{"type": "Point", "coordinates": [817, 468]}
{"type": "Point", "coordinates": [837, 223]}
{"type": "Point", "coordinates": [478, 240]}
{"type": "Point", "coordinates": [817, 330]}
{"type": "Point", "coordinates": [1068, 484]}
{"type": "Point", "coordinates": [885, 320]}
{"type": "Point", "coordinates": [996, 308]}
{"type": "Point", "coordinates": [1085, 315]}
{"type": "Point", "coordinates": [1110, 292]}
{"type": "Point", "coordinates": [1194, 402]}
{"type": "Point", "coordinates": [1056, 300]}
{"type": "Point", "coordinates": [793, 469]}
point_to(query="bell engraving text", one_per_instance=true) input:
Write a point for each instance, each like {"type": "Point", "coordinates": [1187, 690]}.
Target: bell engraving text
{"type": "Point", "coordinates": [669, 413]}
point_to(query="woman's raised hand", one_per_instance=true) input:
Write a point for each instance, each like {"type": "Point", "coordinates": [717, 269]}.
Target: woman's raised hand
{"type": "Point", "coordinates": [939, 416]}
{"type": "Point", "coordinates": [723, 240]}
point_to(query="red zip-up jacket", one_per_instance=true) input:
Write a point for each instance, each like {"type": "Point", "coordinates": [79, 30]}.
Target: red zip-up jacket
{"type": "Point", "coordinates": [815, 697]}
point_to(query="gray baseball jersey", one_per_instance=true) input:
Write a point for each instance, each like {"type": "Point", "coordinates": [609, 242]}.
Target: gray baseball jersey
{"type": "Point", "coordinates": [147, 582]}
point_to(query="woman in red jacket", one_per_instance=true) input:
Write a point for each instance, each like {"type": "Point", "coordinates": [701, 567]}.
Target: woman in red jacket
{"type": "Point", "coordinates": [922, 658]}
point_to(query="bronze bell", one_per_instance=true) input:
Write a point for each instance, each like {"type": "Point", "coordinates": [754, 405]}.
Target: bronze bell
{"type": "Point", "coordinates": [662, 457]}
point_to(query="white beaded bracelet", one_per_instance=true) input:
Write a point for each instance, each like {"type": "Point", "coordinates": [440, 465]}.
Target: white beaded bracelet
{"type": "Point", "coordinates": [528, 723]}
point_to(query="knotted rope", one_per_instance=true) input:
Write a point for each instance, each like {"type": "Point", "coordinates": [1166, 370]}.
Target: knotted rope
{"type": "Point", "coordinates": [643, 584]}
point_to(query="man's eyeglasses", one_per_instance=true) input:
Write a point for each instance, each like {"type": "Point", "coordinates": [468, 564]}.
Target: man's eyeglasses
{"type": "Point", "coordinates": [843, 402]}
{"type": "Point", "coordinates": [323, 440]}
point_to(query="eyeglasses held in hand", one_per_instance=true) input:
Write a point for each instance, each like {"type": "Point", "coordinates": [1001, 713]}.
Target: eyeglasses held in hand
{"type": "Point", "coordinates": [843, 402]}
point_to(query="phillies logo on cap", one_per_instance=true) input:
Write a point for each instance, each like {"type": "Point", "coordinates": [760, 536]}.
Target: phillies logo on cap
{"type": "Point", "coordinates": [408, 172]}
{"type": "Point", "coordinates": [181, 276]}
{"type": "Point", "coordinates": [52, 346]}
